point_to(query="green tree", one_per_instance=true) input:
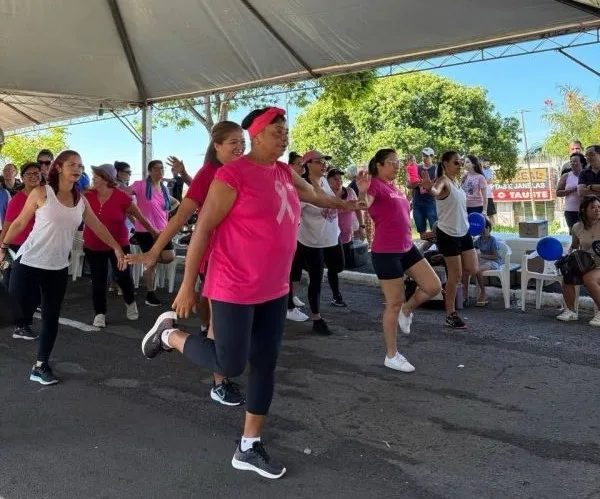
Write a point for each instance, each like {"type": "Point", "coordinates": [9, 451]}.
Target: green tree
{"type": "Point", "coordinates": [575, 118]}
{"type": "Point", "coordinates": [409, 112]}
{"type": "Point", "coordinates": [211, 109]}
{"type": "Point", "coordinates": [19, 149]}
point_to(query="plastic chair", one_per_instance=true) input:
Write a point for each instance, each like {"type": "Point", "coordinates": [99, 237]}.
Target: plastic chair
{"type": "Point", "coordinates": [137, 269]}
{"type": "Point", "coordinates": [548, 275]}
{"type": "Point", "coordinates": [503, 273]}
{"type": "Point", "coordinates": [77, 257]}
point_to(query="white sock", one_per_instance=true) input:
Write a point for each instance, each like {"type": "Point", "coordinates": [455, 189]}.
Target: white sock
{"type": "Point", "coordinates": [246, 443]}
{"type": "Point", "coordinates": [164, 337]}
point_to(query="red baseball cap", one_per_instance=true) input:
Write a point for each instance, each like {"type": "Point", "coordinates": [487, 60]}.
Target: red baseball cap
{"type": "Point", "coordinates": [312, 155]}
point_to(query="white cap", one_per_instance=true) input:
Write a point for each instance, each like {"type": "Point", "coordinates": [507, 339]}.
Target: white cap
{"type": "Point", "coordinates": [352, 171]}
{"type": "Point", "coordinates": [428, 151]}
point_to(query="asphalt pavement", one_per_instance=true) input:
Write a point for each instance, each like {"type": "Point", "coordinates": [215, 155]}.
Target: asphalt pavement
{"type": "Point", "coordinates": [507, 409]}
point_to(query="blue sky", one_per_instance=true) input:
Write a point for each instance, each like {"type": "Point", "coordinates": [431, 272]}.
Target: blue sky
{"type": "Point", "coordinates": [514, 83]}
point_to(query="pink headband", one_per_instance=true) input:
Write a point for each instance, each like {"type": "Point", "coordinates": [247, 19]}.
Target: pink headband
{"type": "Point", "coordinates": [259, 123]}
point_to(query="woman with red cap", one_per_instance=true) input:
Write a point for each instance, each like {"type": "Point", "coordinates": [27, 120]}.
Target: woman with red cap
{"type": "Point", "coordinates": [247, 279]}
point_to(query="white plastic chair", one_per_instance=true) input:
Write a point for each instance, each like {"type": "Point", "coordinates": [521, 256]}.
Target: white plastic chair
{"type": "Point", "coordinates": [503, 273]}
{"type": "Point", "coordinates": [77, 257]}
{"type": "Point", "coordinates": [548, 275]}
{"type": "Point", "coordinates": [137, 269]}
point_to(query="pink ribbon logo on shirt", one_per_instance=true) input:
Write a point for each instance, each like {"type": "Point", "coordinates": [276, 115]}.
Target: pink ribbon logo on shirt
{"type": "Point", "coordinates": [285, 204]}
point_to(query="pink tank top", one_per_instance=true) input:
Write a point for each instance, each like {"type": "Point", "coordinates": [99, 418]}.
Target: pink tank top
{"type": "Point", "coordinates": [253, 247]}
{"type": "Point", "coordinates": [572, 201]}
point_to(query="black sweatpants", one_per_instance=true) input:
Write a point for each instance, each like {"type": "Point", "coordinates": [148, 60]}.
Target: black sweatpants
{"type": "Point", "coordinates": [52, 285]}
{"type": "Point", "coordinates": [316, 259]}
{"type": "Point", "coordinates": [98, 262]}
{"type": "Point", "coordinates": [243, 334]}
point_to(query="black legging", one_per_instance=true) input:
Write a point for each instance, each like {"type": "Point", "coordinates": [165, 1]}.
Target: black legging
{"type": "Point", "coordinates": [295, 274]}
{"type": "Point", "coordinates": [25, 316]}
{"type": "Point", "coordinates": [52, 285]}
{"type": "Point", "coordinates": [244, 334]}
{"type": "Point", "coordinates": [316, 259]}
{"type": "Point", "coordinates": [98, 261]}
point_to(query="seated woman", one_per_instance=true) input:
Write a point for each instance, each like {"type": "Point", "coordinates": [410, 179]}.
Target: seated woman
{"type": "Point", "coordinates": [488, 255]}
{"type": "Point", "coordinates": [583, 235]}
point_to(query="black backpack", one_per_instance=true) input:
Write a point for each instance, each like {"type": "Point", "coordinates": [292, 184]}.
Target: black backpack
{"type": "Point", "coordinates": [574, 265]}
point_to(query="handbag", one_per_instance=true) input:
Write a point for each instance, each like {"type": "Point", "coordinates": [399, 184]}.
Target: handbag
{"type": "Point", "coordinates": [574, 265]}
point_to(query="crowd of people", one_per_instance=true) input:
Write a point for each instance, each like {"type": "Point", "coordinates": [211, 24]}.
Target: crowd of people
{"type": "Point", "coordinates": [260, 223]}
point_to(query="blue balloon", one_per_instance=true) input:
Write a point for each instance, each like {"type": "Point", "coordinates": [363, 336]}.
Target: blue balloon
{"type": "Point", "coordinates": [476, 223]}
{"type": "Point", "coordinates": [549, 248]}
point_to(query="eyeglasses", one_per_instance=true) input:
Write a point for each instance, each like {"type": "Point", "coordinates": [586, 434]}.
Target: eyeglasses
{"type": "Point", "coordinates": [45, 163]}
{"type": "Point", "coordinates": [393, 163]}
{"type": "Point", "coordinates": [457, 162]}
{"type": "Point", "coordinates": [32, 174]}
{"type": "Point", "coordinates": [126, 172]}
{"type": "Point", "coordinates": [319, 160]}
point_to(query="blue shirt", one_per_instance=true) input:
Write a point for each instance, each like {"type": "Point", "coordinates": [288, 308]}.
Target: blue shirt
{"type": "Point", "coordinates": [424, 198]}
{"type": "Point", "coordinates": [487, 245]}
{"type": "Point", "coordinates": [4, 199]}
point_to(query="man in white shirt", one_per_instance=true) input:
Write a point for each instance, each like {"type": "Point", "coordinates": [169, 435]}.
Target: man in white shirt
{"type": "Point", "coordinates": [574, 146]}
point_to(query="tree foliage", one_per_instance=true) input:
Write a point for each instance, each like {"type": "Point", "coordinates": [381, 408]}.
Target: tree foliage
{"type": "Point", "coordinates": [409, 112]}
{"type": "Point", "coordinates": [211, 109]}
{"type": "Point", "coordinates": [20, 149]}
{"type": "Point", "coordinates": [575, 118]}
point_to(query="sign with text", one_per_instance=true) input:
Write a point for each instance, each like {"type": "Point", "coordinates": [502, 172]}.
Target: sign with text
{"type": "Point", "coordinates": [518, 188]}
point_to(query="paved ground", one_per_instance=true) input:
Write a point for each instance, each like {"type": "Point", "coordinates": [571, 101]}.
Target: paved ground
{"type": "Point", "coordinates": [519, 420]}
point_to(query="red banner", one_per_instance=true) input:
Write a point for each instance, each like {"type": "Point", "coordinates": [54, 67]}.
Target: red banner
{"type": "Point", "coordinates": [512, 195]}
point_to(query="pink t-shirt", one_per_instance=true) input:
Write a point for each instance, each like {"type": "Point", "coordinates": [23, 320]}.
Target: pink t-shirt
{"type": "Point", "coordinates": [153, 209]}
{"type": "Point", "coordinates": [345, 219]}
{"type": "Point", "coordinates": [254, 245]}
{"type": "Point", "coordinates": [13, 210]}
{"type": "Point", "coordinates": [412, 173]}
{"type": "Point", "coordinates": [197, 193]}
{"type": "Point", "coordinates": [390, 211]}
{"type": "Point", "coordinates": [475, 186]}
{"type": "Point", "coordinates": [112, 214]}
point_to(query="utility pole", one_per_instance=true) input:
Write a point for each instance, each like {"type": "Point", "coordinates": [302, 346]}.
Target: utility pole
{"type": "Point", "coordinates": [522, 112]}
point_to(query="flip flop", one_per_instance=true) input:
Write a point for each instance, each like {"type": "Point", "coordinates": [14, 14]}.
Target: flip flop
{"type": "Point", "coordinates": [481, 303]}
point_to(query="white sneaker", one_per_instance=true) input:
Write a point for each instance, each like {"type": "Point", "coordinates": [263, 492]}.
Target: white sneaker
{"type": "Point", "coordinates": [568, 315]}
{"type": "Point", "coordinates": [399, 363]}
{"type": "Point", "coordinates": [298, 302]}
{"type": "Point", "coordinates": [404, 322]}
{"type": "Point", "coordinates": [596, 320]}
{"type": "Point", "coordinates": [132, 311]}
{"type": "Point", "coordinates": [100, 320]}
{"type": "Point", "coordinates": [296, 315]}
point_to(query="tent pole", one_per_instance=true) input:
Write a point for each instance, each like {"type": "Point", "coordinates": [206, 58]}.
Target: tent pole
{"type": "Point", "coordinates": [146, 138]}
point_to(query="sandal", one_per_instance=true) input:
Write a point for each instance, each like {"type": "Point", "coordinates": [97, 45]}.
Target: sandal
{"type": "Point", "coordinates": [481, 303]}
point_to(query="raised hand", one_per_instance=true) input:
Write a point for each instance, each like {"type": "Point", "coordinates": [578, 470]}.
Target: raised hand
{"type": "Point", "coordinates": [176, 165]}
{"type": "Point", "coordinates": [363, 181]}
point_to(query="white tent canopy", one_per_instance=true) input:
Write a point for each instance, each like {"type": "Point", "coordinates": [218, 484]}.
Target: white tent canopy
{"type": "Point", "coordinates": [63, 58]}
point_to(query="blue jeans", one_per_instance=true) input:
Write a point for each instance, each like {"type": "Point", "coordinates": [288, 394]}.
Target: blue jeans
{"type": "Point", "coordinates": [422, 215]}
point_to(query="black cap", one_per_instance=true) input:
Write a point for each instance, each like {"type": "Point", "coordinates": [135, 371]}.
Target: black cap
{"type": "Point", "coordinates": [27, 166]}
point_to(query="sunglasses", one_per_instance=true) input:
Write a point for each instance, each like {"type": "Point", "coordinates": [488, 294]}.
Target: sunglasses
{"type": "Point", "coordinates": [45, 163]}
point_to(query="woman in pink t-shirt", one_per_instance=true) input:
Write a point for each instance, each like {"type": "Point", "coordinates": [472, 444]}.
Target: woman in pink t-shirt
{"type": "Point", "coordinates": [226, 145]}
{"type": "Point", "coordinates": [253, 208]}
{"type": "Point", "coordinates": [475, 186]}
{"type": "Point", "coordinates": [112, 206]}
{"type": "Point", "coordinates": [155, 202]}
{"type": "Point", "coordinates": [31, 175]}
{"type": "Point", "coordinates": [393, 253]}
